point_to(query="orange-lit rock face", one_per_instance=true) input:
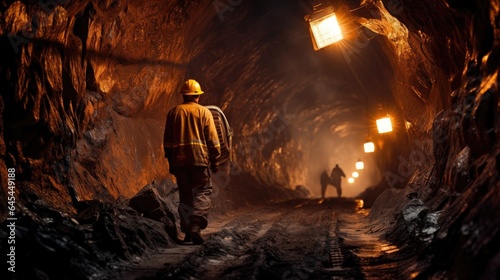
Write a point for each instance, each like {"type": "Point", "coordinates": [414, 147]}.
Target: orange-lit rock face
{"type": "Point", "coordinates": [88, 84]}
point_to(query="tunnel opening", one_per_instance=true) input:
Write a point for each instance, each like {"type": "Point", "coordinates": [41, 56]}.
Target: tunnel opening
{"type": "Point", "coordinates": [86, 87]}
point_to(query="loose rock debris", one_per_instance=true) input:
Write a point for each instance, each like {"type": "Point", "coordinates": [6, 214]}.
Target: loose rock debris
{"type": "Point", "coordinates": [297, 239]}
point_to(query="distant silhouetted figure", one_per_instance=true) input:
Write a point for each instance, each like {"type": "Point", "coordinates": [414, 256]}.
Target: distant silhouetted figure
{"type": "Point", "coordinates": [324, 180]}
{"type": "Point", "coordinates": [336, 175]}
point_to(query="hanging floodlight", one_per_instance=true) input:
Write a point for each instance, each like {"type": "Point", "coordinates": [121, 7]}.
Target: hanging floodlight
{"type": "Point", "coordinates": [360, 165]}
{"type": "Point", "coordinates": [350, 180]}
{"type": "Point", "coordinates": [384, 124]}
{"type": "Point", "coordinates": [324, 28]}
{"type": "Point", "coordinates": [355, 174]}
{"type": "Point", "coordinates": [369, 147]}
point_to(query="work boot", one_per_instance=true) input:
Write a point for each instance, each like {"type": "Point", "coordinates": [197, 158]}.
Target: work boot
{"type": "Point", "coordinates": [196, 234]}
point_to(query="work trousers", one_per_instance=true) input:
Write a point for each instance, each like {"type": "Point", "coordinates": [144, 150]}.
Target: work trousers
{"type": "Point", "coordinates": [323, 190]}
{"type": "Point", "coordinates": [339, 190]}
{"type": "Point", "coordinates": [195, 191]}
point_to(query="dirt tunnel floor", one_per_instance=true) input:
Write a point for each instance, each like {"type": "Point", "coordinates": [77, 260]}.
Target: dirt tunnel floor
{"type": "Point", "coordinates": [299, 239]}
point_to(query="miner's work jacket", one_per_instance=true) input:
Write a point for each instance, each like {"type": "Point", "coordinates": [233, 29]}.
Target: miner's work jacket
{"type": "Point", "coordinates": [337, 172]}
{"type": "Point", "coordinates": [190, 137]}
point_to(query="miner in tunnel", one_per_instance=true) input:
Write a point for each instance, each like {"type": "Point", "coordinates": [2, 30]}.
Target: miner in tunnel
{"type": "Point", "coordinates": [192, 147]}
{"type": "Point", "coordinates": [334, 179]}
{"type": "Point", "coordinates": [325, 180]}
{"type": "Point", "coordinates": [336, 176]}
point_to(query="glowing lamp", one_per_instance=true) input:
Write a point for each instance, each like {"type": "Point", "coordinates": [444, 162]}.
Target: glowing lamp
{"type": "Point", "coordinates": [355, 174]}
{"type": "Point", "coordinates": [360, 203]}
{"type": "Point", "coordinates": [360, 165]}
{"type": "Point", "coordinates": [324, 28]}
{"type": "Point", "coordinates": [384, 125]}
{"type": "Point", "coordinates": [350, 180]}
{"type": "Point", "coordinates": [369, 147]}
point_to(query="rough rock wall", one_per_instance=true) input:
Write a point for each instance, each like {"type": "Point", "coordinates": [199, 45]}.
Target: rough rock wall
{"type": "Point", "coordinates": [86, 86]}
{"type": "Point", "coordinates": [448, 210]}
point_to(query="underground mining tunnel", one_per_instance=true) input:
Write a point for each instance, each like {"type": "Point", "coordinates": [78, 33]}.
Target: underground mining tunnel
{"type": "Point", "coordinates": [87, 192]}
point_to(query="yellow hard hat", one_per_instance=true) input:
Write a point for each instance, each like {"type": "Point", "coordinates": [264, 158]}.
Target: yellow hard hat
{"type": "Point", "coordinates": [191, 87]}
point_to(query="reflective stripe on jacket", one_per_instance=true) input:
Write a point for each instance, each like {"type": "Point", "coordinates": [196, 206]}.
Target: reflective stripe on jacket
{"type": "Point", "coordinates": [190, 137]}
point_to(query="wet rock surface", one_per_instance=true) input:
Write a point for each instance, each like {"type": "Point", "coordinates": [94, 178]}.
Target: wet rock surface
{"type": "Point", "coordinates": [296, 239]}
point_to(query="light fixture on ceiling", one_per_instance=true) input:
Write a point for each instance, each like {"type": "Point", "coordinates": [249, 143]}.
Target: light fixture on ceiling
{"type": "Point", "coordinates": [384, 124]}
{"type": "Point", "coordinates": [360, 165]}
{"type": "Point", "coordinates": [324, 26]}
{"type": "Point", "coordinates": [355, 174]}
{"type": "Point", "coordinates": [369, 147]}
{"type": "Point", "coordinates": [384, 121]}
